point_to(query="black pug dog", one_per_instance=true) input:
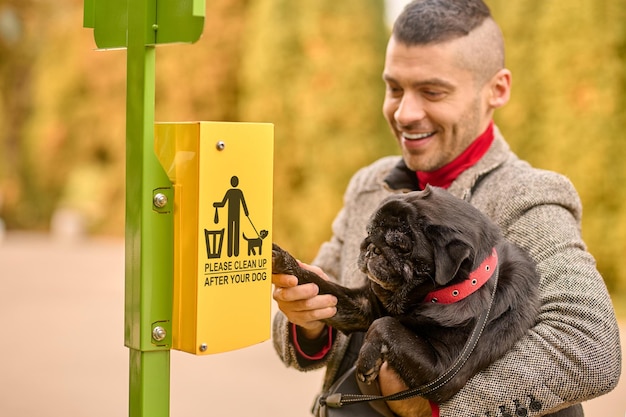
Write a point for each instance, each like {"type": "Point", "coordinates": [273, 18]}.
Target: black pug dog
{"type": "Point", "coordinates": [424, 251]}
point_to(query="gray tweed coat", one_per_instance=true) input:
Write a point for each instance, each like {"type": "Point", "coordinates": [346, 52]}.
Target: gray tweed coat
{"type": "Point", "coordinates": [572, 354]}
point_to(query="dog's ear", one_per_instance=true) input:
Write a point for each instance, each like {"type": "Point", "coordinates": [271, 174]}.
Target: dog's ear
{"type": "Point", "coordinates": [449, 256]}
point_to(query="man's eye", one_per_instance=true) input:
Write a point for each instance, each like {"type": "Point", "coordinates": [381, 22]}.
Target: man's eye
{"type": "Point", "coordinates": [433, 94]}
{"type": "Point", "coordinates": [394, 91]}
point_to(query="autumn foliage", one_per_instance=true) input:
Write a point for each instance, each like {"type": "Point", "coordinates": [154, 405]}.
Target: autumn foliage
{"type": "Point", "coordinates": [311, 67]}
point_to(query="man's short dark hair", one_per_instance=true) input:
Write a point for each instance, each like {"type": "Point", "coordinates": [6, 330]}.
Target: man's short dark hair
{"type": "Point", "coordinates": [432, 21]}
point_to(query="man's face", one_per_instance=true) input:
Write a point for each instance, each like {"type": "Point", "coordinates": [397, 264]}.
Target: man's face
{"type": "Point", "coordinates": [432, 104]}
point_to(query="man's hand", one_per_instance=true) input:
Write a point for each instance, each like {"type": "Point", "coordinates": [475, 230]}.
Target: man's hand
{"type": "Point", "coordinates": [390, 383]}
{"type": "Point", "coordinates": [302, 304]}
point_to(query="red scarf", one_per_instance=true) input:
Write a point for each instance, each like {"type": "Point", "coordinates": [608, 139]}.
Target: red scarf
{"type": "Point", "coordinates": [445, 175]}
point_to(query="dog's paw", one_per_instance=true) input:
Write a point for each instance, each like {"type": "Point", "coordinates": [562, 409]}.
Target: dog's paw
{"type": "Point", "coordinates": [282, 261]}
{"type": "Point", "coordinates": [370, 360]}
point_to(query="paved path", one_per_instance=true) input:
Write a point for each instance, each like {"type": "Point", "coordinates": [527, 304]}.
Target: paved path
{"type": "Point", "coordinates": [62, 353]}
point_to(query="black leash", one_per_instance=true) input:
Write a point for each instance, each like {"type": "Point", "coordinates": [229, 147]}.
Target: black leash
{"type": "Point", "coordinates": [337, 400]}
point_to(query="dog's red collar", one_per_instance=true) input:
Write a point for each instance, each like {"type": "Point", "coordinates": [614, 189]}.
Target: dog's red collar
{"type": "Point", "coordinates": [476, 279]}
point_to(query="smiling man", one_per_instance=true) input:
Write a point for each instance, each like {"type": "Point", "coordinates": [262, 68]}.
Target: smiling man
{"type": "Point", "coordinates": [441, 96]}
{"type": "Point", "coordinates": [444, 78]}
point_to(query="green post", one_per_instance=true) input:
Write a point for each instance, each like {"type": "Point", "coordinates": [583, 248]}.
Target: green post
{"type": "Point", "coordinates": [149, 235]}
{"type": "Point", "coordinates": [133, 24]}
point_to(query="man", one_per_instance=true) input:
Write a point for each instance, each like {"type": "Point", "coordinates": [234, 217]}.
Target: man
{"type": "Point", "coordinates": [445, 76]}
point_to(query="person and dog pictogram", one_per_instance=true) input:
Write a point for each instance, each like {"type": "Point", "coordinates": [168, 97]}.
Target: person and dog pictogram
{"type": "Point", "coordinates": [235, 200]}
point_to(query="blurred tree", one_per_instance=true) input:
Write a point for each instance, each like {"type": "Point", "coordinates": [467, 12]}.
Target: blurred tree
{"type": "Point", "coordinates": [79, 122]}
{"type": "Point", "coordinates": [313, 68]}
{"type": "Point", "coordinates": [65, 139]}
{"type": "Point", "coordinates": [568, 111]}
{"type": "Point", "coordinates": [17, 56]}
{"type": "Point", "coordinates": [200, 81]}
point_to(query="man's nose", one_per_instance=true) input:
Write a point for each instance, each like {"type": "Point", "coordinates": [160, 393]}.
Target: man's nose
{"type": "Point", "coordinates": [410, 110]}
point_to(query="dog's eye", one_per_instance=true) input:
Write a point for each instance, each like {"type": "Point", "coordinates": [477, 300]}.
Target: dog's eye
{"type": "Point", "coordinates": [372, 249]}
{"type": "Point", "coordinates": [405, 246]}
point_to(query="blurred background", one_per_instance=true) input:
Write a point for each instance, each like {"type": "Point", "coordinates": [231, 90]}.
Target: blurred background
{"type": "Point", "coordinates": [313, 68]}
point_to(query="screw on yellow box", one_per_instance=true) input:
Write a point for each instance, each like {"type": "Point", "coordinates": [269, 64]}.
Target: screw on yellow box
{"type": "Point", "coordinates": [222, 175]}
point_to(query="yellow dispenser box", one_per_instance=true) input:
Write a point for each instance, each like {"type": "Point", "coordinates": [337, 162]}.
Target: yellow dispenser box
{"type": "Point", "coordinates": [222, 176]}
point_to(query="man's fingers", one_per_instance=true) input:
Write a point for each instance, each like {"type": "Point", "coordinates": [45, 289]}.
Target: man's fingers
{"type": "Point", "coordinates": [300, 292]}
{"type": "Point", "coordinates": [315, 269]}
{"type": "Point", "coordinates": [302, 304]}
{"type": "Point", "coordinates": [306, 317]}
{"type": "Point", "coordinates": [282, 280]}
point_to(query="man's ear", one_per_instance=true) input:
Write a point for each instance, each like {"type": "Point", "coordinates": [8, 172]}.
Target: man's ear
{"type": "Point", "coordinates": [448, 260]}
{"type": "Point", "coordinates": [499, 89]}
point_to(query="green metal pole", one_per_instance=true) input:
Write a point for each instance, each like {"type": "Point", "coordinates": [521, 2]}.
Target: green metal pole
{"type": "Point", "coordinates": [149, 229]}
{"type": "Point", "coordinates": [149, 393]}
{"type": "Point", "coordinates": [133, 24]}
